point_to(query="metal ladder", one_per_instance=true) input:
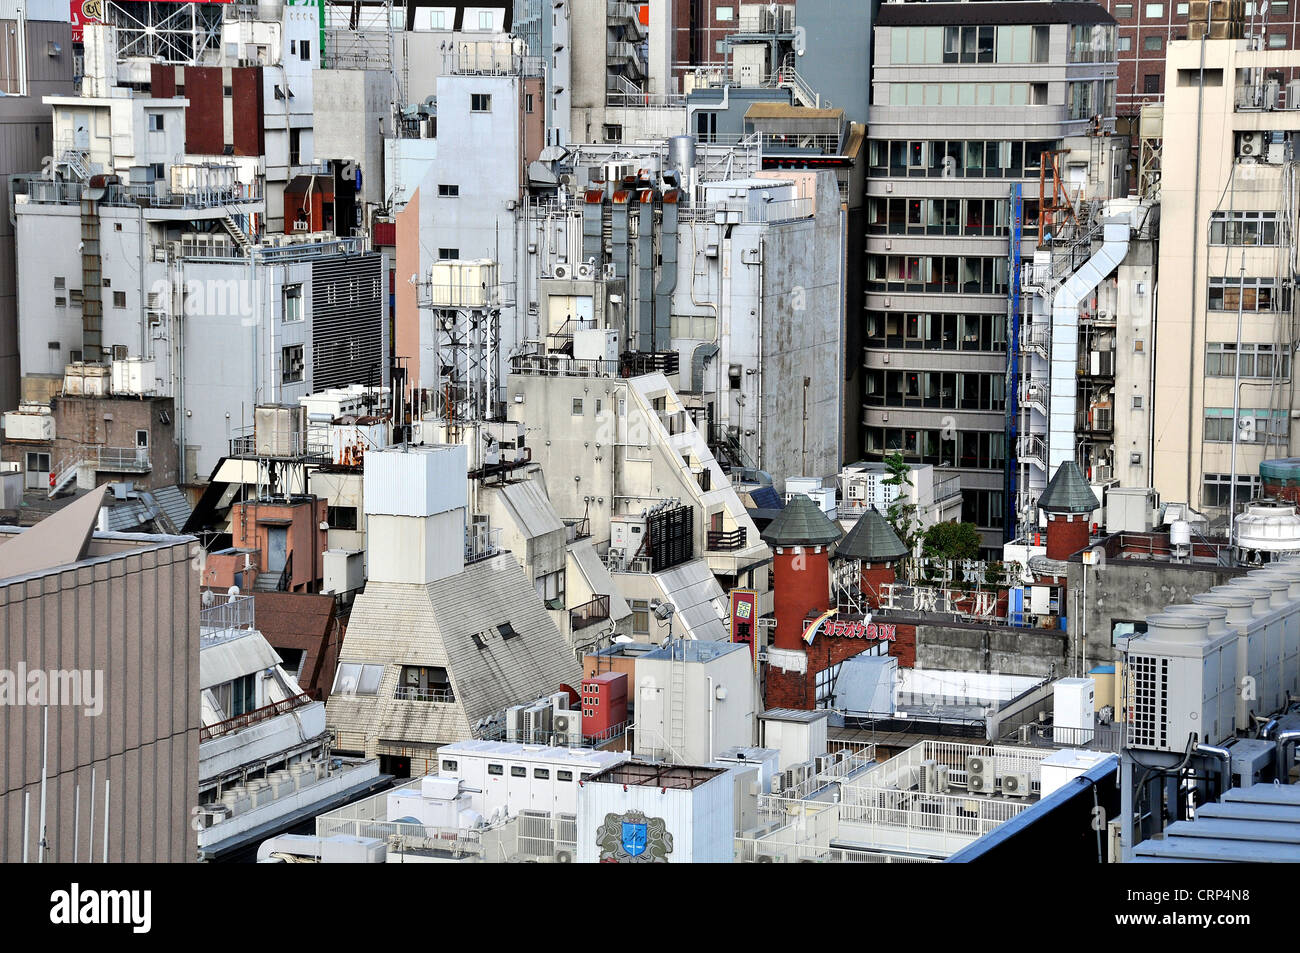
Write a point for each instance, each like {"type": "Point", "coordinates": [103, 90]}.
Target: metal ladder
{"type": "Point", "coordinates": [676, 699]}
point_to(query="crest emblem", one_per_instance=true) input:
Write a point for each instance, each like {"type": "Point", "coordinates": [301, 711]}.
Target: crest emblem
{"type": "Point", "coordinates": [633, 838]}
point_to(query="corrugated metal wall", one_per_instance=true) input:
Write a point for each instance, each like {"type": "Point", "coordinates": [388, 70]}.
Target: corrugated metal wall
{"type": "Point", "coordinates": [349, 333]}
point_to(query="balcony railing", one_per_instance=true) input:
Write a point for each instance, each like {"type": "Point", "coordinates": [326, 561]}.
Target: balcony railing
{"type": "Point", "coordinates": [589, 613]}
{"type": "Point", "coordinates": [442, 696]}
{"type": "Point", "coordinates": [226, 620]}
{"type": "Point", "coordinates": [726, 540]}
{"type": "Point", "coordinates": [122, 459]}
{"type": "Point", "coordinates": [239, 722]}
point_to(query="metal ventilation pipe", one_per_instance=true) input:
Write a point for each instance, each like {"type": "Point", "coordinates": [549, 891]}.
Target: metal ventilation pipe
{"type": "Point", "coordinates": [1286, 742]}
{"type": "Point", "coordinates": [1225, 759]}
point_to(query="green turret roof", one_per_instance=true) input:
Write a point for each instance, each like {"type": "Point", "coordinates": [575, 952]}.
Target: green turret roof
{"type": "Point", "coordinates": [1068, 492]}
{"type": "Point", "coordinates": [872, 540]}
{"type": "Point", "coordinates": [801, 523]}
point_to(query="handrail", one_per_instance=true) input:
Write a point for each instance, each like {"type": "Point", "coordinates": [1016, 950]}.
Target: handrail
{"type": "Point", "coordinates": [239, 722]}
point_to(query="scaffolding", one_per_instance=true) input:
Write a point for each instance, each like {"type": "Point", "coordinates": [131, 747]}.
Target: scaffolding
{"type": "Point", "coordinates": [180, 33]}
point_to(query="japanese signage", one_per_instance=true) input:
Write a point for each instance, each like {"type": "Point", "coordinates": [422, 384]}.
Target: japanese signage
{"type": "Point", "coordinates": [744, 619]}
{"type": "Point", "coordinates": [83, 12]}
{"type": "Point", "coordinates": [979, 604]}
{"type": "Point", "coordinates": [851, 629]}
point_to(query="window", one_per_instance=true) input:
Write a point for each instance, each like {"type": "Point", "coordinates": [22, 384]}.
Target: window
{"type": "Point", "coordinates": [291, 364]}
{"type": "Point", "coordinates": [38, 462]}
{"type": "Point", "coordinates": [541, 774]}
{"type": "Point", "coordinates": [159, 171]}
{"type": "Point", "coordinates": [1124, 44]}
{"type": "Point", "coordinates": [584, 776]}
{"type": "Point", "coordinates": [825, 679]}
{"type": "Point", "coordinates": [1155, 11]}
{"type": "Point", "coordinates": [1123, 10]}
{"type": "Point", "coordinates": [550, 589]}
{"type": "Point", "coordinates": [1216, 488]}
{"type": "Point", "coordinates": [1257, 360]}
{"type": "Point", "coordinates": [448, 254]}
{"type": "Point", "coordinates": [238, 697]}
{"type": "Point", "coordinates": [292, 303]}
{"type": "Point", "coordinates": [480, 102]}
{"type": "Point", "coordinates": [1252, 294]}
{"type": "Point", "coordinates": [119, 299]}
{"type": "Point", "coordinates": [725, 14]}
{"type": "Point", "coordinates": [561, 775]}
{"type": "Point", "coordinates": [1276, 41]}
{"type": "Point", "coordinates": [58, 281]}
{"type": "Point", "coordinates": [1151, 83]}
{"type": "Point", "coordinates": [155, 122]}
{"type": "Point", "coordinates": [496, 769]}
{"type": "Point", "coordinates": [304, 49]}
{"type": "Point", "coordinates": [640, 616]}
{"type": "Point", "coordinates": [1181, 9]}
{"type": "Point", "coordinates": [437, 19]}
{"type": "Point", "coordinates": [528, 102]}
{"type": "Point", "coordinates": [142, 439]}
{"type": "Point", "coordinates": [353, 678]}
{"type": "Point", "coordinates": [577, 406]}
{"type": "Point", "coordinates": [1253, 425]}
{"type": "Point", "coordinates": [613, 132]}
{"type": "Point", "coordinates": [1152, 43]}
{"type": "Point", "coordinates": [507, 631]}
{"type": "Point", "coordinates": [518, 771]}
{"type": "Point", "coordinates": [227, 91]}
{"type": "Point", "coordinates": [341, 517]}
{"type": "Point", "coordinates": [449, 765]}
{"type": "Point", "coordinates": [448, 191]}
{"type": "Point", "coordinates": [485, 20]}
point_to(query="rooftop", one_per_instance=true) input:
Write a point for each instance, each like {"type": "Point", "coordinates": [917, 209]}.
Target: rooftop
{"type": "Point", "coordinates": [1068, 492]}
{"type": "Point", "coordinates": [801, 523]}
{"type": "Point", "coordinates": [687, 650]}
{"type": "Point", "coordinates": [871, 539]}
{"type": "Point", "coordinates": [986, 14]}
{"type": "Point", "coordinates": [681, 777]}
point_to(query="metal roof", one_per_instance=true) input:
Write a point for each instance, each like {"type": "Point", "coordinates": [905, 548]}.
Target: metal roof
{"type": "Point", "coordinates": [1068, 492]}
{"type": "Point", "coordinates": [794, 714]}
{"type": "Point", "coordinates": [531, 509]}
{"type": "Point", "coordinates": [871, 539]}
{"type": "Point", "coordinates": [801, 523]}
{"type": "Point", "coordinates": [1258, 824]}
{"type": "Point", "coordinates": [866, 684]}
{"type": "Point", "coordinates": [697, 599]}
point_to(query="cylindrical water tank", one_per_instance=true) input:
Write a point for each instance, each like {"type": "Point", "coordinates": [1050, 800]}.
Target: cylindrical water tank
{"type": "Point", "coordinates": [1180, 533]}
{"type": "Point", "coordinates": [681, 155]}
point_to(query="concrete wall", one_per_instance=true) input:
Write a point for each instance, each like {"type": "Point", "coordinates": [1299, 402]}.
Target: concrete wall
{"type": "Point", "coordinates": [133, 615]}
{"type": "Point", "coordinates": [25, 139]}
{"type": "Point", "coordinates": [84, 423]}
{"type": "Point", "coordinates": [352, 108]}
{"type": "Point", "coordinates": [960, 647]}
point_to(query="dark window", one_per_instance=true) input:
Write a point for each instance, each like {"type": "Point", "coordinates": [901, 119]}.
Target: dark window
{"type": "Point", "coordinates": [342, 517]}
{"type": "Point", "coordinates": [304, 49]}
{"type": "Point", "coordinates": [496, 769]}
{"type": "Point", "coordinates": [541, 774]}
{"type": "Point", "coordinates": [564, 775]}
{"type": "Point", "coordinates": [518, 771]}
{"type": "Point", "coordinates": [507, 630]}
{"type": "Point", "coordinates": [1151, 83]}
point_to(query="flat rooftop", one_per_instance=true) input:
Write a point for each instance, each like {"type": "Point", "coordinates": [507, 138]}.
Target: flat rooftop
{"type": "Point", "coordinates": [687, 650]}
{"type": "Point", "coordinates": [681, 777]}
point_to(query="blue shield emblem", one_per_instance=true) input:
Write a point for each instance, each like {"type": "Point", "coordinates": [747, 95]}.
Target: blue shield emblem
{"type": "Point", "coordinates": [634, 838]}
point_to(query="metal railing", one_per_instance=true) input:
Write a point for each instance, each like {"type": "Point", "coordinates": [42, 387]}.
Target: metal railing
{"type": "Point", "coordinates": [239, 722]}
{"type": "Point", "coordinates": [589, 613]}
{"type": "Point", "coordinates": [226, 620]}
{"type": "Point", "coordinates": [122, 459]}
{"type": "Point", "coordinates": [442, 696]}
{"type": "Point", "coordinates": [726, 540]}
{"type": "Point", "coordinates": [42, 191]}
{"type": "Point", "coordinates": [826, 144]}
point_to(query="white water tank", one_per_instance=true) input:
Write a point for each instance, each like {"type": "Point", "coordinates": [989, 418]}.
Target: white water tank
{"type": "Point", "coordinates": [1180, 536]}
{"type": "Point", "coordinates": [1269, 526]}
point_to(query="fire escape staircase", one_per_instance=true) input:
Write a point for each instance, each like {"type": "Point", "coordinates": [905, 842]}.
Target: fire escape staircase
{"type": "Point", "coordinates": [237, 233]}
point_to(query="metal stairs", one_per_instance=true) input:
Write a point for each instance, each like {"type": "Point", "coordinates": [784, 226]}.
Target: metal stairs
{"type": "Point", "coordinates": [238, 234]}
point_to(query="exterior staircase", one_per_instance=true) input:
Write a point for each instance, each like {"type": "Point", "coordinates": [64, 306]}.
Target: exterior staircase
{"type": "Point", "coordinates": [237, 233]}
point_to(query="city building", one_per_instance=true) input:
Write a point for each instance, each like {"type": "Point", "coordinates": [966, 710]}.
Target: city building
{"type": "Point", "coordinates": [969, 102]}
{"type": "Point", "coordinates": [101, 686]}
{"type": "Point", "coordinates": [1223, 344]}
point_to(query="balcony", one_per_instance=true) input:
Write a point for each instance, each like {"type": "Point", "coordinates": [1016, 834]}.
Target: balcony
{"type": "Point", "coordinates": [589, 613]}
{"type": "Point", "coordinates": [441, 696]}
{"type": "Point", "coordinates": [226, 620]}
{"type": "Point", "coordinates": [240, 722]}
{"type": "Point", "coordinates": [1032, 448]}
{"type": "Point", "coordinates": [632, 364]}
{"type": "Point", "coordinates": [1034, 395]}
{"type": "Point", "coordinates": [726, 541]}
{"type": "Point", "coordinates": [121, 460]}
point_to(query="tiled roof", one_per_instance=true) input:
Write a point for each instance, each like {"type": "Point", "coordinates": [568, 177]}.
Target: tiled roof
{"type": "Point", "coordinates": [801, 523]}
{"type": "Point", "coordinates": [1068, 492]}
{"type": "Point", "coordinates": [872, 539]}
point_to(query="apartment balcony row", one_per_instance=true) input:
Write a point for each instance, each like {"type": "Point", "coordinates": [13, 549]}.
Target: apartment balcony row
{"type": "Point", "coordinates": [630, 364]}
{"type": "Point", "coordinates": [274, 250]}
{"type": "Point", "coordinates": [34, 189]}
{"type": "Point", "coordinates": [765, 213]}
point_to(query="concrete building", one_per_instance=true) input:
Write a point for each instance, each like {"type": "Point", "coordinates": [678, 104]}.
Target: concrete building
{"type": "Point", "coordinates": [119, 686]}
{"type": "Point", "coordinates": [967, 99]}
{"type": "Point", "coordinates": [1229, 203]}
{"type": "Point", "coordinates": [449, 631]}
{"type": "Point", "coordinates": [44, 68]}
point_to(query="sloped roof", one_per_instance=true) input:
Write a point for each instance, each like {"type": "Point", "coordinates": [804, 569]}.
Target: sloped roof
{"type": "Point", "coordinates": [58, 540]}
{"type": "Point", "coordinates": [698, 600]}
{"type": "Point", "coordinates": [1068, 492]}
{"type": "Point", "coordinates": [532, 511]}
{"type": "Point", "coordinates": [872, 539]}
{"type": "Point", "coordinates": [394, 624]}
{"type": "Point", "coordinates": [801, 523]}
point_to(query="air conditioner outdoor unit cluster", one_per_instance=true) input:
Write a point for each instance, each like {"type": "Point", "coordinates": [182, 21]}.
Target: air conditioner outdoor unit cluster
{"type": "Point", "coordinates": [1016, 784]}
{"type": "Point", "coordinates": [980, 775]}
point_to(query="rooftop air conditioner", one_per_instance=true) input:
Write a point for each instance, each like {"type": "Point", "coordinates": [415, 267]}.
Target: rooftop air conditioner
{"type": "Point", "coordinates": [586, 272]}
{"type": "Point", "coordinates": [1016, 784]}
{"type": "Point", "coordinates": [979, 775]}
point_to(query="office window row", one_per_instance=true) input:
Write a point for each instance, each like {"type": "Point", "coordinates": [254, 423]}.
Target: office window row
{"type": "Point", "coordinates": [971, 449]}
{"type": "Point", "coordinates": [937, 332]}
{"type": "Point", "coordinates": [938, 390]}
{"type": "Point", "coordinates": [1257, 360]}
{"type": "Point", "coordinates": [957, 158]}
{"type": "Point", "coordinates": [1254, 425]}
{"type": "Point", "coordinates": [925, 45]}
{"type": "Point", "coordinates": [968, 274]}
{"type": "Point", "coordinates": [968, 94]}
{"type": "Point", "coordinates": [1248, 294]}
{"type": "Point", "coordinates": [902, 216]}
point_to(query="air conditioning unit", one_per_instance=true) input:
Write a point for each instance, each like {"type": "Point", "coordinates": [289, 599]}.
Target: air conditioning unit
{"type": "Point", "coordinates": [769, 858]}
{"type": "Point", "coordinates": [824, 763]}
{"type": "Point", "coordinates": [560, 271]}
{"type": "Point", "coordinates": [980, 778]}
{"type": "Point", "coordinates": [777, 785]}
{"type": "Point", "coordinates": [564, 856]}
{"type": "Point", "coordinates": [941, 783]}
{"type": "Point", "coordinates": [1250, 144]}
{"type": "Point", "coordinates": [302, 226]}
{"type": "Point", "coordinates": [568, 725]}
{"type": "Point", "coordinates": [611, 271]}
{"type": "Point", "coordinates": [1015, 784]}
{"type": "Point", "coordinates": [586, 272]}
{"type": "Point", "coordinates": [929, 779]}
{"type": "Point", "coordinates": [515, 723]}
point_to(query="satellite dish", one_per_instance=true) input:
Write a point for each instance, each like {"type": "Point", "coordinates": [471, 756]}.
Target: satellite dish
{"type": "Point", "coordinates": [208, 597]}
{"type": "Point", "coordinates": [233, 593]}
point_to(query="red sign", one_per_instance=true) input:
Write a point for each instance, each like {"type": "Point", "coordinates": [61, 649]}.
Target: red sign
{"type": "Point", "coordinates": [744, 619]}
{"type": "Point", "coordinates": [872, 631]}
{"type": "Point", "coordinates": [82, 12]}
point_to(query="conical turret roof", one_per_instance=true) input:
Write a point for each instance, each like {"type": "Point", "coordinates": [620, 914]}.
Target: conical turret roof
{"type": "Point", "coordinates": [1068, 492]}
{"type": "Point", "coordinates": [872, 540]}
{"type": "Point", "coordinates": [801, 523]}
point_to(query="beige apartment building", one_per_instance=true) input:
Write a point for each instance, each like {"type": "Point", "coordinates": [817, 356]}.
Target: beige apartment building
{"type": "Point", "coordinates": [99, 693]}
{"type": "Point", "coordinates": [1228, 199]}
